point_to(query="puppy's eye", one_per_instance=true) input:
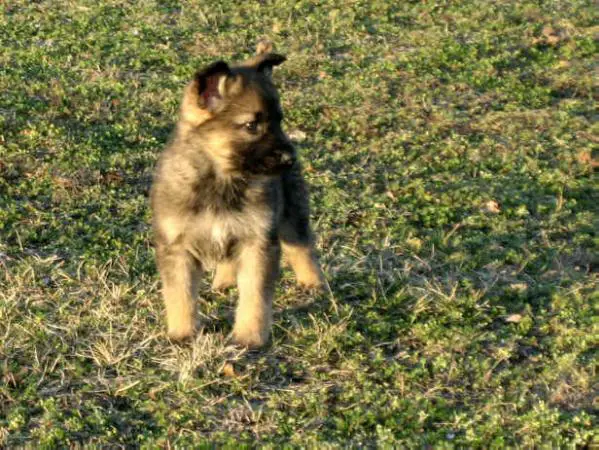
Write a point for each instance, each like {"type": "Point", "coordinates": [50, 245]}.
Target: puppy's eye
{"type": "Point", "coordinates": [252, 126]}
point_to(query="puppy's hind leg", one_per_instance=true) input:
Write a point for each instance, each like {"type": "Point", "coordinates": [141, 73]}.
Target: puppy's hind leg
{"type": "Point", "coordinates": [225, 276]}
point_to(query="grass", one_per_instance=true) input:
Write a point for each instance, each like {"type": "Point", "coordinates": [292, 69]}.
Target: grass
{"type": "Point", "coordinates": [450, 150]}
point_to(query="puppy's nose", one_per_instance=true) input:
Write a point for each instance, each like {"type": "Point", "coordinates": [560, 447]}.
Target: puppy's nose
{"type": "Point", "coordinates": [287, 158]}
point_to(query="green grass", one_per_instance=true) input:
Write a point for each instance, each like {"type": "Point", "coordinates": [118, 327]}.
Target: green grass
{"type": "Point", "coordinates": [450, 150]}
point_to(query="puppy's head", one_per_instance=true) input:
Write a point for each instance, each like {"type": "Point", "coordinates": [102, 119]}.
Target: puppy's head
{"type": "Point", "coordinates": [234, 114]}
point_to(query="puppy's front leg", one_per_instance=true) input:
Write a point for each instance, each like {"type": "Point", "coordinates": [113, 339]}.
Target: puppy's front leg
{"type": "Point", "coordinates": [180, 273]}
{"type": "Point", "coordinates": [295, 233]}
{"type": "Point", "coordinates": [256, 277]}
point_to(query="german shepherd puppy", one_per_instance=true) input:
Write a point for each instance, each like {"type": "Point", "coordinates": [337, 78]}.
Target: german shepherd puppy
{"type": "Point", "coordinates": [228, 193]}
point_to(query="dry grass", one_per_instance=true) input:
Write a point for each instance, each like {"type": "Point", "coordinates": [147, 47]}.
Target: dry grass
{"type": "Point", "coordinates": [451, 153]}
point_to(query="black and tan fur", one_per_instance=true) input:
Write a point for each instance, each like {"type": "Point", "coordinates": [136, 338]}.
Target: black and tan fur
{"type": "Point", "coordinates": [229, 194]}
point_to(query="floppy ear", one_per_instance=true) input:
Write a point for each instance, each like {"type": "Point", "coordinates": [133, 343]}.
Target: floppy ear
{"type": "Point", "coordinates": [265, 59]}
{"type": "Point", "coordinates": [264, 46]}
{"type": "Point", "coordinates": [268, 61]}
{"type": "Point", "coordinates": [206, 93]}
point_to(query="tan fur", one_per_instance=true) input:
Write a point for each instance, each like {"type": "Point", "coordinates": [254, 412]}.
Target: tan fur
{"type": "Point", "coordinates": [191, 114]}
{"type": "Point", "coordinates": [255, 279]}
{"type": "Point", "coordinates": [218, 147]}
{"type": "Point", "coordinates": [171, 227]}
{"type": "Point", "coordinates": [230, 87]}
{"type": "Point", "coordinates": [225, 275]}
{"type": "Point", "coordinates": [179, 289]}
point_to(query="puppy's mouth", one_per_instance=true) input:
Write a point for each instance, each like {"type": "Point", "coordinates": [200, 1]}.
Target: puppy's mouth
{"type": "Point", "coordinates": [273, 163]}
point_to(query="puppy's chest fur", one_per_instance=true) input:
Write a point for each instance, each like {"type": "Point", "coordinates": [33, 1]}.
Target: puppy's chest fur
{"type": "Point", "coordinates": [212, 236]}
{"type": "Point", "coordinates": [213, 221]}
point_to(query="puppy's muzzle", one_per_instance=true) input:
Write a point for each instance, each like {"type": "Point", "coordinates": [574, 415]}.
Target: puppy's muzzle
{"type": "Point", "coordinates": [277, 157]}
{"type": "Point", "coordinates": [286, 157]}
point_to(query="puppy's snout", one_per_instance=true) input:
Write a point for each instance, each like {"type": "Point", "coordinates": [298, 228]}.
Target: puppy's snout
{"type": "Point", "coordinates": [285, 152]}
{"type": "Point", "coordinates": [287, 158]}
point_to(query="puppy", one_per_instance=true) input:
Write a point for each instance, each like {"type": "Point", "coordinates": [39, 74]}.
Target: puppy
{"type": "Point", "coordinates": [229, 194]}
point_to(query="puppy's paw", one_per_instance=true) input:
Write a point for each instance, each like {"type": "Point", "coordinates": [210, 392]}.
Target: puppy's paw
{"type": "Point", "coordinates": [181, 331]}
{"type": "Point", "coordinates": [180, 335]}
{"type": "Point", "coordinates": [311, 280]}
{"type": "Point", "coordinates": [251, 338]}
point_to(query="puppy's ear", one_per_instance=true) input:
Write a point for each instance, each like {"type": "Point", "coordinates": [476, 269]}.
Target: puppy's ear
{"type": "Point", "coordinates": [207, 92]}
{"type": "Point", "coordinates": [265, 59]}
{"type": "Point", "coordinates": [268, 61]}
{"type": "Point", "coordinates": [264, 46]}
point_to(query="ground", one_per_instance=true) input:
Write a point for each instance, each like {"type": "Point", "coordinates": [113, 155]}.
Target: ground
{"type": "Point", "coordinates": [449, 149]}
